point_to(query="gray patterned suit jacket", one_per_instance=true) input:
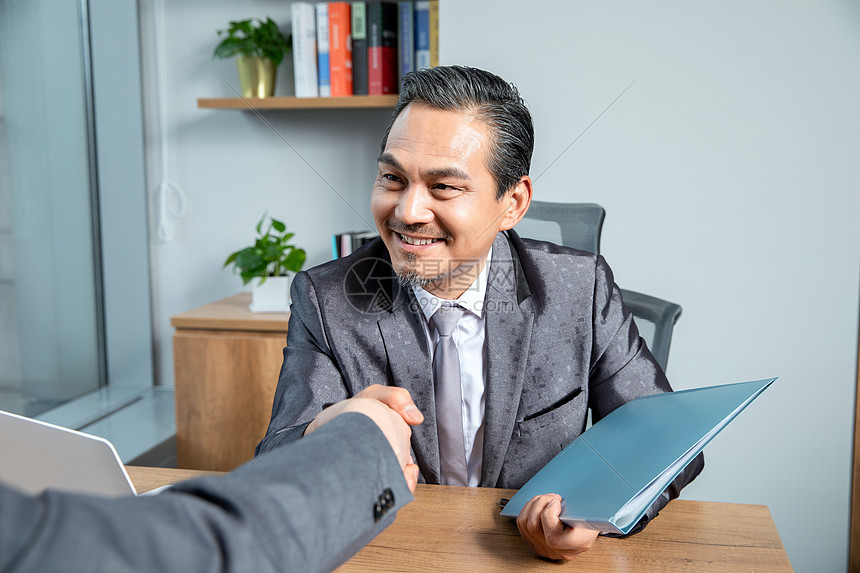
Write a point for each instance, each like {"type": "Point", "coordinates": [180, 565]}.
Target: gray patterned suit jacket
{"type": "Point", "coordinates": [559, 341]}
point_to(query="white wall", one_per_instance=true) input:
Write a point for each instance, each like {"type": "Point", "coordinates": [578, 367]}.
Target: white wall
{"type": "Point", "coordinates": [731, 180]}
{"type": "Point", "coordinates": [729, 172]}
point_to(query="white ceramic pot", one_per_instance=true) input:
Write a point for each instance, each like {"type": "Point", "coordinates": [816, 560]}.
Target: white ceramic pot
{"type": "Point", "coordinates": [271, 296]}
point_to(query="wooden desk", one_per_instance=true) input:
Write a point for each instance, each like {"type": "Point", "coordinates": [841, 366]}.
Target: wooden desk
{"type": "Point", "coordinates": [226, 361]}
{"type": "Point", "coordinates": [459, 529]}
{"type": "Point", "coordinates": [145, 479]}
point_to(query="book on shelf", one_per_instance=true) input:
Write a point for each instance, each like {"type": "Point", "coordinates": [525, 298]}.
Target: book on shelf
{"type": "Point", "coordinates": [304, 49]}
{"type": "Point", "coordinates": [323, 70]}
{"type": "Point", "coordinates": [405, 37]}
{"type": "Point", "coordinates": [615, 470]}
{"type": "Point", "coordinates": [340, 49]}
{"type": "Point", "coordinates": [434, 33]}
{"type": "Point", "coordinates": [343, 244]}
{"type": "Point", "coordinates": [359, 48]}
{"type": "Point", "coordinates": [381, 48]}
{"type": "Point", "coordinates": [422, 34]}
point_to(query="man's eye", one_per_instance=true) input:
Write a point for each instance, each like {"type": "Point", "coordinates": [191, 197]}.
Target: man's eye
{"type": "Point", "coordinates": [390, 177]}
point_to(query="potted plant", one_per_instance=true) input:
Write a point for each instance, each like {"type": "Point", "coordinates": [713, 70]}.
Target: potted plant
{"type": "Point", "coordinates": [272, 258]}
{"type": "Point", "coordinates": [260, 48]}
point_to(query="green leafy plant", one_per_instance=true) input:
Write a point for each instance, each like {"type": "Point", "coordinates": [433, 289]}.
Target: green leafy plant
{"type": "Point", "coordinates": [253, 38]}
{"type": "Point", "coordinates": [271, 255]}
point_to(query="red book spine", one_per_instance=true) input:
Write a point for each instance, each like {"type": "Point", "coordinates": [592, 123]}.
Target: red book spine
{"type": "Point", "coordinates": [381, 70]}
{"type": "Point", "coordinates": [382, 48]}
{"type": "Point", "coordinates": [340, 49]}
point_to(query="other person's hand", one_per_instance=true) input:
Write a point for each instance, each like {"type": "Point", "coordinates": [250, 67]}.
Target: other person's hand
{"type": "Point", "coordinates": [547, 535]}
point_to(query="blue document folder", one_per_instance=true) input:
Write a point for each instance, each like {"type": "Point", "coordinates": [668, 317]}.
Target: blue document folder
{"type": "Point", "coordinates": [612, 473]}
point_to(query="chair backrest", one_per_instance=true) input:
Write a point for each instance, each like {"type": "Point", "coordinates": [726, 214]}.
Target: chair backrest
{"type": "Point", "coordinates": [575, 225]}
{"type": "Point", "coordinates": [656, 319]}
{"type": "Point", "coordinates": [579, 225]}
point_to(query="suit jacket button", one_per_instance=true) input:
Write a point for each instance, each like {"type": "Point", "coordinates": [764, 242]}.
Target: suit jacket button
{"type": "Point", "coordinates": [388, 498]}
{"type": "Point", "coordinates": [378, 511]}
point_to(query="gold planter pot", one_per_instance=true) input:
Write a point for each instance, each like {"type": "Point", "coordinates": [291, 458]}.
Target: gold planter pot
{"type": "Point", "coordinates": [256, 76]}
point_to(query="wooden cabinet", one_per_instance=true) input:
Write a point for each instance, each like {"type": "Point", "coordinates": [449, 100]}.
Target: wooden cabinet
{"type": "Point", "coordinates": [226, 362]}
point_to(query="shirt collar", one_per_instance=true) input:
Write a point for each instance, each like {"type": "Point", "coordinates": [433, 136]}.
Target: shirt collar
{"type": "Point", "coordinates": [472, 298]}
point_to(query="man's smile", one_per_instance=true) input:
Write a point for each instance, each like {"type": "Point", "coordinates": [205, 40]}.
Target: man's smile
{"type": "Point", "coordinates": [412, 236]}
{"type": "Point", "coordinates": [417, 241]}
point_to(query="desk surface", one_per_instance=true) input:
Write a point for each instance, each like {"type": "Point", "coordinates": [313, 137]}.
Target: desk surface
{"type": "Point", "coordinates": [231, 313]}
{"type": "Point", "coordinates": [460, 529]}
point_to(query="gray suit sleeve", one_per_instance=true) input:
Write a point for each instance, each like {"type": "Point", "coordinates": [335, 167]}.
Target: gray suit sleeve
{"type": "Point", "coordinates": [624, 369]}
{"type": "Point", "coordinates": [308, 506]}
{"type": "Point", "coordinates": [310, 378]}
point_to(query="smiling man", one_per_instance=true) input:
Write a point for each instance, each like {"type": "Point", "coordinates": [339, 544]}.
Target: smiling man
{"type": "Point", "coordinates": [503, 343]}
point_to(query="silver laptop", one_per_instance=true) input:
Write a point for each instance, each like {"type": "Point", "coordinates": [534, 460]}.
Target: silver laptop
{"type": "Point", "coordinates": [36, 455]}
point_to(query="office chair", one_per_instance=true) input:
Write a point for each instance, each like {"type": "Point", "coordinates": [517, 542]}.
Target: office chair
{"type": "Point", "coordinates": [579, 225]}
{"type": "Point", "coordinates": [575, 225]}
{"type": "Point", "coordinates": [656, 319]}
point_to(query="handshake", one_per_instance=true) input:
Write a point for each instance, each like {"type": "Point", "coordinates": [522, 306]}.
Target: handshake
{"type": "Point", "coordinates": [393, 410]}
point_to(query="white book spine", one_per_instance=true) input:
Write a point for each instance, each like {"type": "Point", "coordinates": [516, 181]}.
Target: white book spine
{"type": "Point", "coordinates": [305, 49]}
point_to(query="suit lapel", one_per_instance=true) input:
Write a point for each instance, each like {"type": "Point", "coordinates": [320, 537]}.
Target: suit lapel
{"type": "Point", "coordinates": [408, 352]}
{"type": "Point", "coordinates": [509, 320]}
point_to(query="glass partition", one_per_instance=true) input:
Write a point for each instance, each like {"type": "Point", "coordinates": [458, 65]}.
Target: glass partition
{"type": "Point", "coordinates": [51, 348]}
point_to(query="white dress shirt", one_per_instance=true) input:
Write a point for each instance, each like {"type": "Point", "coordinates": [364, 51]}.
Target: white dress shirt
{"type": "Point", "coordinates": [472, 351]}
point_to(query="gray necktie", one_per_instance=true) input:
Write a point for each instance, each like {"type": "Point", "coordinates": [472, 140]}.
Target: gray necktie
{"type": "Point", "coordinates": [449, 398]}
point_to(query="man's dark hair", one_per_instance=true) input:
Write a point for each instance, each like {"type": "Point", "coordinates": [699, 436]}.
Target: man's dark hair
{"type": "Point", "coordinates": [492, 100]}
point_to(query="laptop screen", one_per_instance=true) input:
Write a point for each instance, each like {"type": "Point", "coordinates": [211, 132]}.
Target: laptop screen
{"type": "Point", "coordinates": [36, 455]}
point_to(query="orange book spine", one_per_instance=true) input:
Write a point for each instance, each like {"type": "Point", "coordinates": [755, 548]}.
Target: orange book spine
{"type": "Point", "coordinates": [340, 50]}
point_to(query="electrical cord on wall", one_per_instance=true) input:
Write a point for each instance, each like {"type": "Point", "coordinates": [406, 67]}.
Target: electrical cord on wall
{"type": "Point", "coordinates": [172, 201]}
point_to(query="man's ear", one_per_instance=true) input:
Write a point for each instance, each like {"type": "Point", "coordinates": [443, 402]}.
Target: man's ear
{"type": "Point", "coordinates": [518, 201]}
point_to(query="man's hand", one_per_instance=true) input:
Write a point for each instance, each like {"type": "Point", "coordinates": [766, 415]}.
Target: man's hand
{"type": "Point", "coordinates": [391, 417]}
{"type": "Point", "coordinates": [398, 399]}
{"type": "Point", "coordinates": [545, 533]}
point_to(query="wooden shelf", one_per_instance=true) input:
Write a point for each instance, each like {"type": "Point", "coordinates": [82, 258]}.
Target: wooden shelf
{"type": "Point", "coordinates": [349, 102]}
